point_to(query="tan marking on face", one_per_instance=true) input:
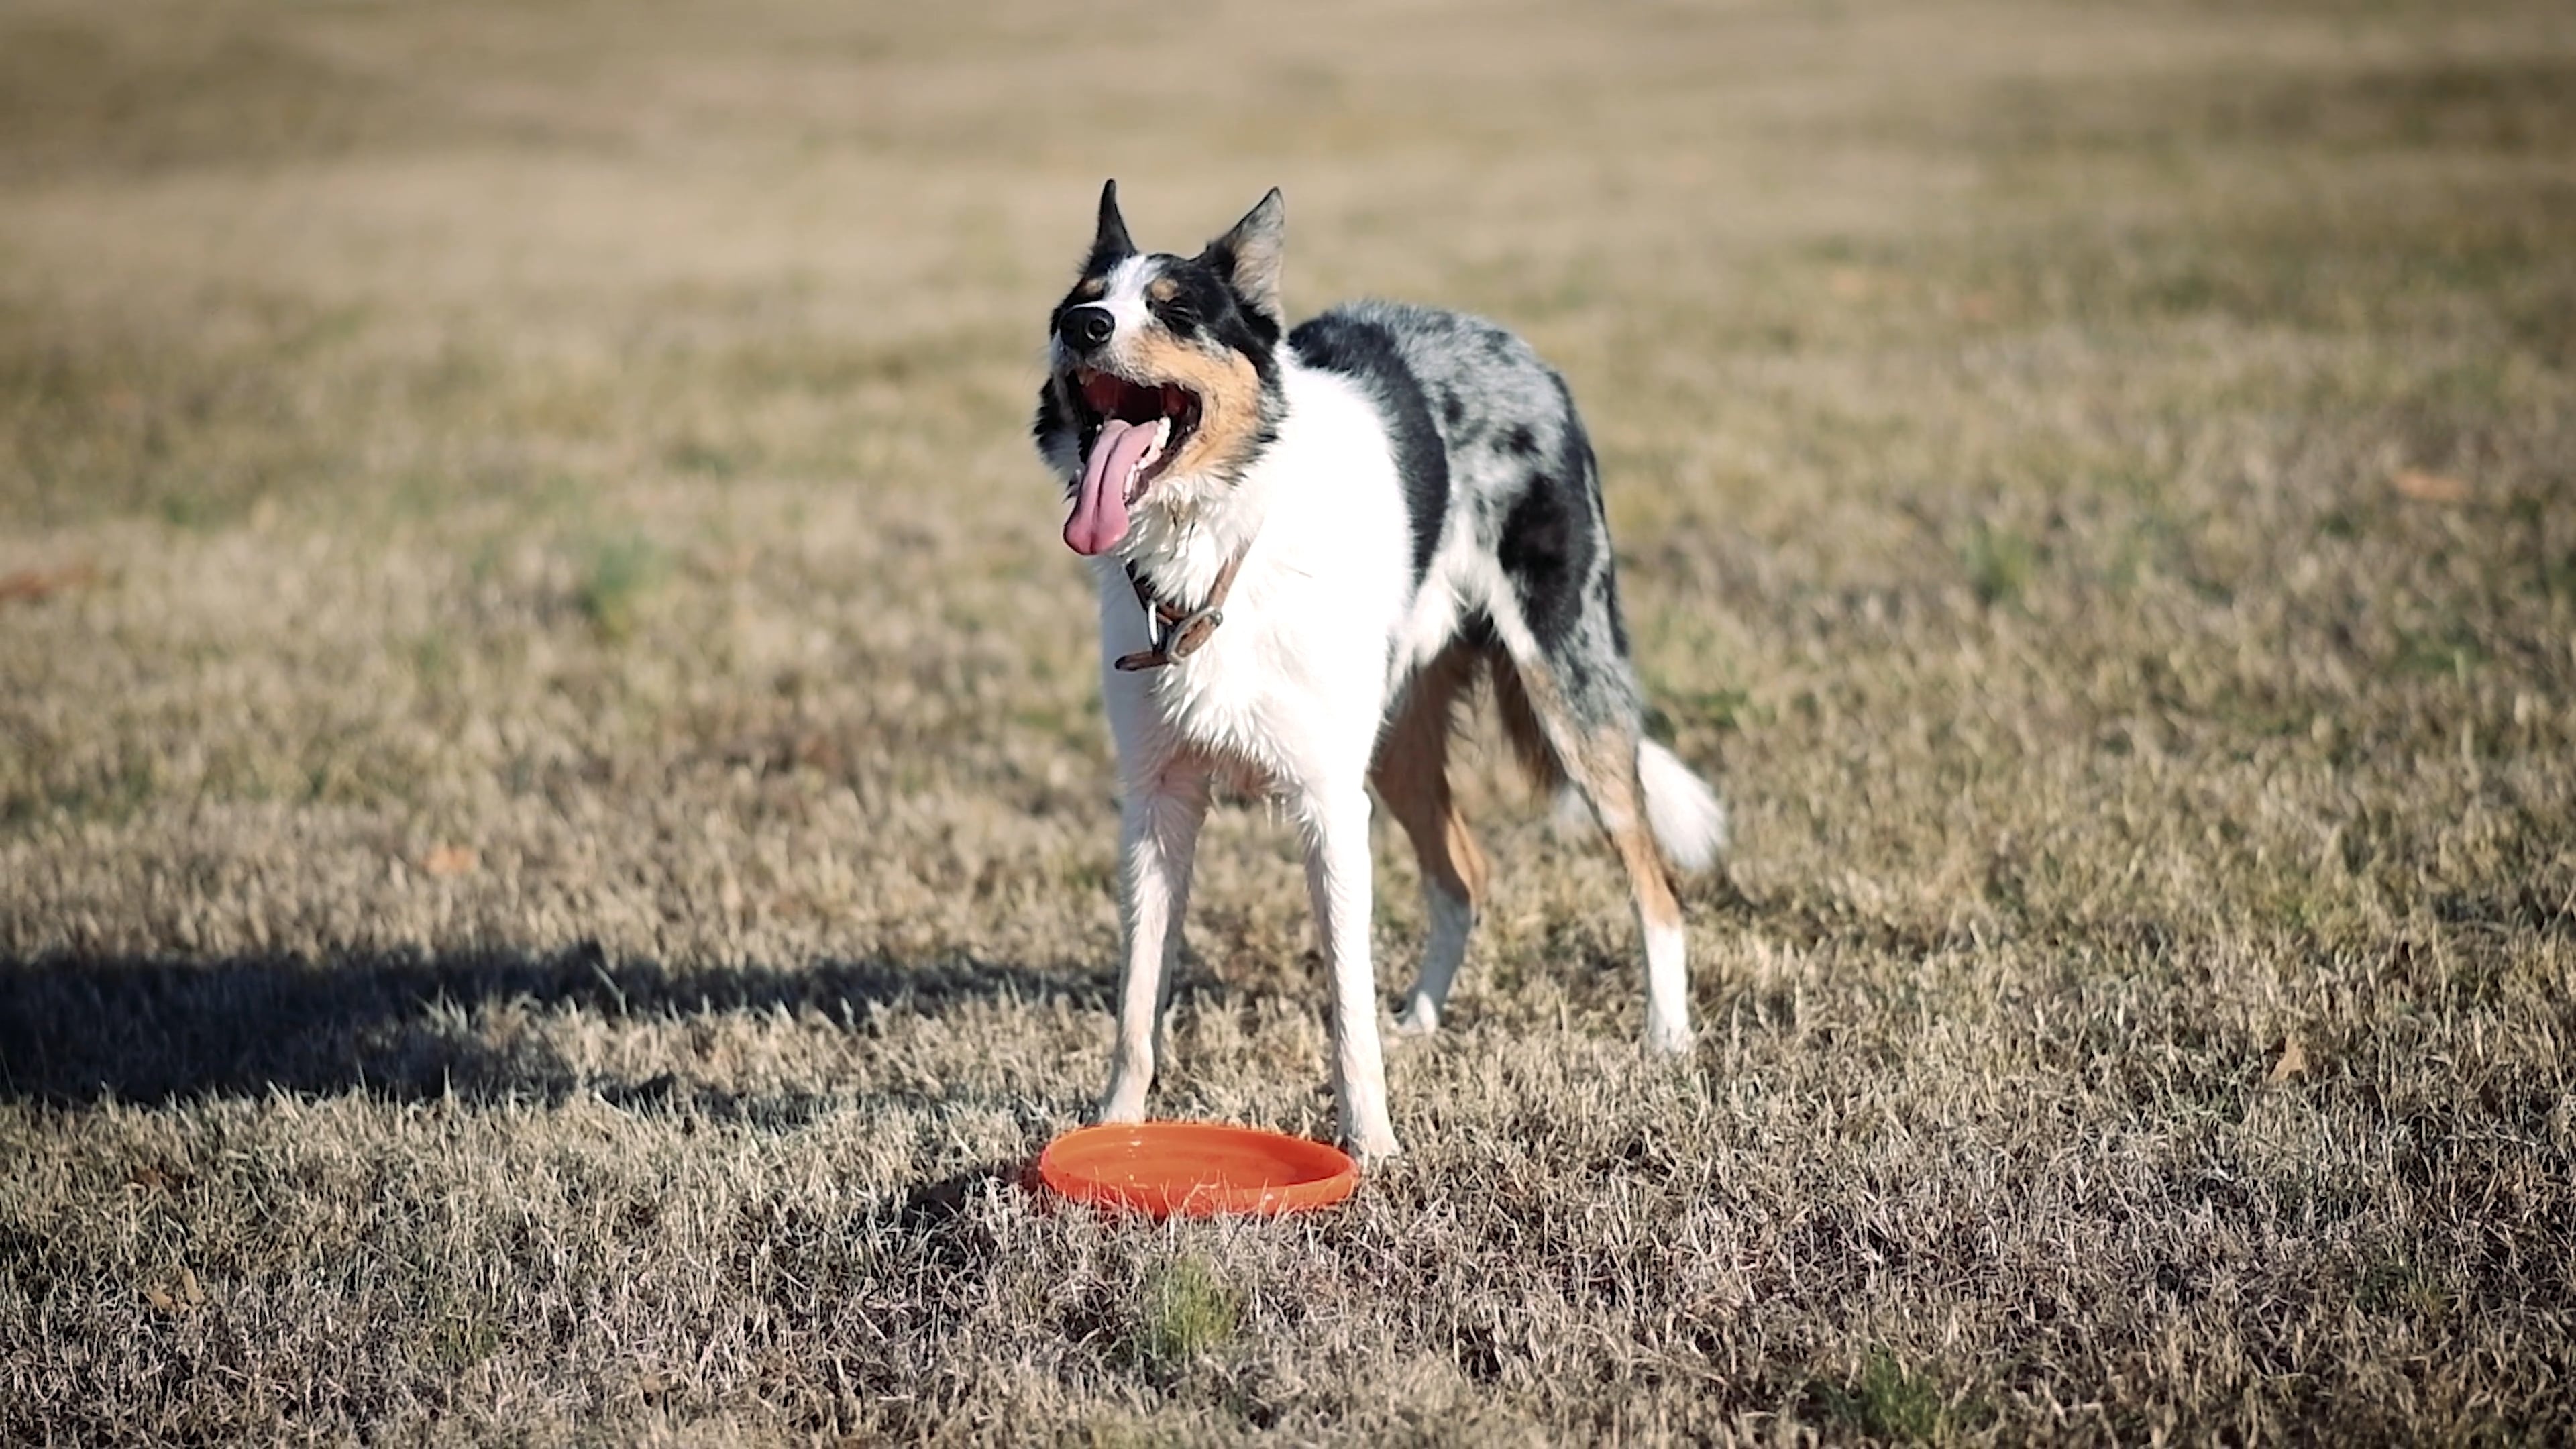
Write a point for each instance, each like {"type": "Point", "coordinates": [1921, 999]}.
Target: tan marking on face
{"type": "Point", "coordinates": [1229, 393]}
{"type": "Point", "coordinates": [1092, 289]}
{"type": "Point", "coordinates": [1163, 289]}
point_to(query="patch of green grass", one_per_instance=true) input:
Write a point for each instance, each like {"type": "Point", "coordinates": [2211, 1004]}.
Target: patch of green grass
{"type": "Point", "coordinates": [1727, 707]}
{"type": "Point", "coordinates": [112, 794]}
{"type": "Point", "coordinates": [2000, 563]}
{"type": "Point", "coordinates": [465, 1328]}
{"type": "Point", "coordinates": [2395, 1285]}
{"type": "Point", "coordinates": [1888, 1401]}
{"type": "Point", "coordinates": [696, 455]}
{"type": "Point", "coordinates": [433, 659]}
{"type": "Point", "coordinates": [2452, 649]}
{"type": "Point", "coordinates": [1184, 1314]}
{"type": "Point", "coordinates": [617, 574]}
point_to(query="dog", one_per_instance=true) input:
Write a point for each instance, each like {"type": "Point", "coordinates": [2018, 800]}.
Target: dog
{"type": "Point", "coordinates": [1310, 544]}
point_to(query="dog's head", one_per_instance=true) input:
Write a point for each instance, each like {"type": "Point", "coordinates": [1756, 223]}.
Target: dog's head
{"type": "Point", "coordinates": [1163, 385]}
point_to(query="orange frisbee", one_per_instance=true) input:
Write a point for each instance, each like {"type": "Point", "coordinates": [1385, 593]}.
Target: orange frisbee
{"type": "Point", "coordinates": [1196, 1169]}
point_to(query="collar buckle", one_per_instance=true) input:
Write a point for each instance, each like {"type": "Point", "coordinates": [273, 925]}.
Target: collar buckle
{"type": "Point", "coordinates": [1172, 636]}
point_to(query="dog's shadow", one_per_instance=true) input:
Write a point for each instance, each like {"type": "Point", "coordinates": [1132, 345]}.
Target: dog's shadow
{"type": "Point", "coordinates": [77, 1029]}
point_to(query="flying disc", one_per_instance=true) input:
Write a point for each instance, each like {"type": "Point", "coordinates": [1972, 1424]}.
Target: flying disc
{"type": "Point", "coordinates": [1196, 1169]}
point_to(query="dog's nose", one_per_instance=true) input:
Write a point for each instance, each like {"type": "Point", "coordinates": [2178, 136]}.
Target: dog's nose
{"type": "Point", "coordinates": [1085, 328]}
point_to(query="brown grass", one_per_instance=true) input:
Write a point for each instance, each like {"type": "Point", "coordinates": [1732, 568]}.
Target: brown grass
{"type": "Point", "coordinates": [555, 846]}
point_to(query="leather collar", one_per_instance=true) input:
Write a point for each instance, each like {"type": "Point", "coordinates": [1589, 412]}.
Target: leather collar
{"type": "Point", "coordinates": [1172, 633]}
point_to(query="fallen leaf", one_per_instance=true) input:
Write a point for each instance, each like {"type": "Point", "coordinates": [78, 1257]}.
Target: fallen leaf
{"type": "Point", "coordinates": [2425, 487]}
{"type": "Point", "coordinates": [2294, 1060]}
{"type": "Point", "coordinates": [1849, 283]}
{"type": "Point", "coordinates": [654, 1383]}
{"type": "Point", "coordinates": [160, 1300]}
{"type": "Point", "coordinates": [445, 861]}
{"type": "Point", "coordinates": [147, 1179]}
{"type": "Point", "coordinates": [188, 1286]}
{"type": "Point", "coordinates": [1977, 307]}
{"type": "Point", "coordinates": [35, 585]}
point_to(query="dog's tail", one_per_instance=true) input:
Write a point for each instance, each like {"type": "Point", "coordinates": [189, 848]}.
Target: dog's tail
{"type": "Point", "coordinates": [1688, 819]}
{"type": "Point", "coordinates": [1682, 810]}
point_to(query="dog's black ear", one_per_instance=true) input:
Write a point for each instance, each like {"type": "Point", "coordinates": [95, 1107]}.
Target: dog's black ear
{"type": "Point", "coordinates": [1110, 242]}
{"type": "Point", "coordinates": [1248, 255]}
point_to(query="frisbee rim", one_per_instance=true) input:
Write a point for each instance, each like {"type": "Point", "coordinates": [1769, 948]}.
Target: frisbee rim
{"type": "Point", "coordinates": [1172, 1191]}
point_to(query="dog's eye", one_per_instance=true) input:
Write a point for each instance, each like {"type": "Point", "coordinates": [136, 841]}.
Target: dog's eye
{"type": "Point", "coordinates": [1176, 314]}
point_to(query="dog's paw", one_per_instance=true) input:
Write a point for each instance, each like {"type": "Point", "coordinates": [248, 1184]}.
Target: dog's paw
{"type": "Point", "coordinates": [1372, 1148]}
{"type": "Point", "coordinates": [1419, 1018]}
{"type": "Point", "coordinates": [1667, 1038]}
{"type": "Point", "coordinates": [1120, 1107]}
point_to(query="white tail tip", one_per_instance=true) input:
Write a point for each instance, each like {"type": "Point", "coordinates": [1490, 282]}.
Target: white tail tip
{"type": "Point", "coordinates": [1688, 819]}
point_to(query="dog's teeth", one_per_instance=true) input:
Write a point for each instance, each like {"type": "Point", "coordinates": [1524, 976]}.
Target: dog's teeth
{"type": "Point", "coordinates": [1162, 433]}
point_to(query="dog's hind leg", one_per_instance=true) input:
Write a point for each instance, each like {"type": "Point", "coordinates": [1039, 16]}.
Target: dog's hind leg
{"type": "Point", "coordinates": [1569, 692]}
{"type": "Point", "coordinates": [1158, 841]}
{"type": "Point", "coordinates": [1411, 775]}
{"type": "Point", "coordinates": [1336, 823]}
{"type": "Point", "coordinates": [1595, 743]}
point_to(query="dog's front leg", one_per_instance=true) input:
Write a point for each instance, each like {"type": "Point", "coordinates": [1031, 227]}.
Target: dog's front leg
{"type": "Point", "coordinates": [1337, 877]}
{"type": "Point", "coordinates": [1158, 839]}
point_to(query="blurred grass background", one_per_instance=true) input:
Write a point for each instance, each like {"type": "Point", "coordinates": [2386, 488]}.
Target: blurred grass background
{"type": "Point", "coordinates": [554, 822]}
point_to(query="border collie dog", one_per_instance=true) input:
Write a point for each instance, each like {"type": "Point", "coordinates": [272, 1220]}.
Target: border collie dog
{"type": "Point", "coordinates": [1310, 543]}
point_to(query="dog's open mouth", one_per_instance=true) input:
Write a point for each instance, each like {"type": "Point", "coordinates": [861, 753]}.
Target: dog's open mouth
{"type": "Point", "coordinates": [1131, 431]}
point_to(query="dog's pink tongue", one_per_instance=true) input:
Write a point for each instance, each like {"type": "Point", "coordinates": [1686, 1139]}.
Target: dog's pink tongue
{"type": "Point", "coordinates": [1100, 513]}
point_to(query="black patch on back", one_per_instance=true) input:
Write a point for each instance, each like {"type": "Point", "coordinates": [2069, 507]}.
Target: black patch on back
{"type": "Point", "coordinates": [1552, 540]}
{"type": "Point", "coordinates": [1545, 545]}
{"type": "Point", "coordinates": [1366, 353]}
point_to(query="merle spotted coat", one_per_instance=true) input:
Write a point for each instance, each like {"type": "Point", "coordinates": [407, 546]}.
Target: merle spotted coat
{"type": "Point", "coordinates": [1393, 501]}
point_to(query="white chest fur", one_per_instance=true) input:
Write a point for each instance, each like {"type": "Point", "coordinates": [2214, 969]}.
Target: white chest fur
{"type": "Point", "coordinates": [1293, 683]}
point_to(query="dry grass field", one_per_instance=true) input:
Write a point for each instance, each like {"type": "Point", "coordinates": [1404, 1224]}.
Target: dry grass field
{"type": "Point", "coordinates": [556, 845]}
